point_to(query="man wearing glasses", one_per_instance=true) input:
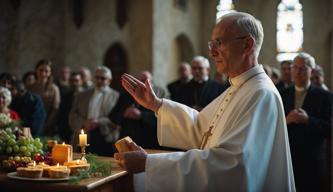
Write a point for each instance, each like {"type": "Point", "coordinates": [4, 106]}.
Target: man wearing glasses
{"type": "Point", "coordinates": [90, 112]}
{"type": "Point", "coordinates": [239, 142]}
{"type": "Point", "coordinates": [308, 113]}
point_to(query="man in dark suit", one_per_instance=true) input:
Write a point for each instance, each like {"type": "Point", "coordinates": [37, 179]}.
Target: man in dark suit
{"type": "Point", "coordinates": [308, 113]}
{"type": "Point", "coordinates": [75, 83]}
{"type": "Point", "coordinates": [201, 90]}
{"type": "Point", "coordinates": [285, 81]}
{"type": "Point", "coordinates": [185, 75]}
{"type": "Point", "coordinates": [136, 121]}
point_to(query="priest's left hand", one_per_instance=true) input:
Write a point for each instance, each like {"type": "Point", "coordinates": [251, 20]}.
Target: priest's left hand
{"type": "Point", "coordinates": [133, 161]}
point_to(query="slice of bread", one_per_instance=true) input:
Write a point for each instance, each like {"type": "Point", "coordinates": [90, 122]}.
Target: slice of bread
{"type": "Point", "coordinates": [122, 146]}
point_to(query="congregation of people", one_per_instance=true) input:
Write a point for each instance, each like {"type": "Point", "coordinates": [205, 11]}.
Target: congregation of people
{"type": "Point", "coordinates": [79, 100]}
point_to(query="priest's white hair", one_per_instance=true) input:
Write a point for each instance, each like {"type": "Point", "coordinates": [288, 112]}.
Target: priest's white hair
{"type": "Point", "coordinates": [249, 25]}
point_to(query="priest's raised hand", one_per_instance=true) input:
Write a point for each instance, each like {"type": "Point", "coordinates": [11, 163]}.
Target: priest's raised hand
{"type": "Point", "coordinates": [141, 92]}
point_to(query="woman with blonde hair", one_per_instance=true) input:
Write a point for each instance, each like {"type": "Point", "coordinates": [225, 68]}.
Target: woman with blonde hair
{"type": "Point", "coordinates": [49, 93]}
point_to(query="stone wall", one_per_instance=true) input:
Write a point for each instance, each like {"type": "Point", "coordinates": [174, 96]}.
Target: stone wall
{"type": "Point", "coordinates": [169, 21]}
{"type": "Point", "coordinates": [38, 29]}
{"type": "Point", "coordinates": [30, 31]}
{"type": "Point", "coordinates": [87, 45]}
{"type": "Point", "coordinates": [317, 34]}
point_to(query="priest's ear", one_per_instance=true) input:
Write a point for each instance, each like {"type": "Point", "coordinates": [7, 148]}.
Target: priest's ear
{"type": "Point", "coordinates": [249, 45]}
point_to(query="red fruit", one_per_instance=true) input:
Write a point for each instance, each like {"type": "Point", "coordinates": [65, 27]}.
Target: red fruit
{"type": "Point", "coordinates": [39, 158]}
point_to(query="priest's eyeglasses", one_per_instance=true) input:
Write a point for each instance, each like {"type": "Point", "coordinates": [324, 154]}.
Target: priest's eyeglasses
{"type": "Point", "coordinates": [212, 44]}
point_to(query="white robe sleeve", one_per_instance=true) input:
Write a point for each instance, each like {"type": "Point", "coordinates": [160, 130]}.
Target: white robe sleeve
{"type": "Point", "coordinates": [180, 126]}
{"type": "Point", "coordinates": [246, 158]}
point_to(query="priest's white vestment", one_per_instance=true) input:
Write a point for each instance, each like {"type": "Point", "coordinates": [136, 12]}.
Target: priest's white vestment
{"type": "Point", "coordinates": [247, 151]}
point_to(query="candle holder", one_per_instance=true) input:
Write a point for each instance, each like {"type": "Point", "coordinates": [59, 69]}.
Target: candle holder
{"type": "Point", "coordinates": [83, 152]}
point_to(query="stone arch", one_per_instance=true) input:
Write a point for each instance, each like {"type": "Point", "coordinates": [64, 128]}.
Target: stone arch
{"type": "Point", "coordinates": [116, 59]}
{"type": "Point", "coordinates": [184, 49]}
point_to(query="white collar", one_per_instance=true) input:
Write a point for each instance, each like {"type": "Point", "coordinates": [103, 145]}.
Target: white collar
{"type": "Point", "coordinates": [242, 78]}
{"type": "Point", "coordinates": [303, 88]}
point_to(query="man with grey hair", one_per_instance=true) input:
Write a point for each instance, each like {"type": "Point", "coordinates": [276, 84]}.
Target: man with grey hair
{"type": "Point", "coordinates": [201, 90]}
{"type": "Point", "coordinates": [308, 114]}
{"type": "Point", "coordinates": [90, 112]}
{"type": "Point", "coordinates": [238, 142]}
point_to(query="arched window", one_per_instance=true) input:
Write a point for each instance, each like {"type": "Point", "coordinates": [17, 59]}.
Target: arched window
{"type": "Point", "coordinates": [289, 29]}
{"type": "Point", "coordinates": [224, 7]}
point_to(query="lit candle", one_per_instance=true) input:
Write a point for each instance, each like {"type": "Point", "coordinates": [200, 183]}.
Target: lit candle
{"type": "Point", "coordinates": [83, 138]}
{"type": "Point", "coordinates": [34, 165]}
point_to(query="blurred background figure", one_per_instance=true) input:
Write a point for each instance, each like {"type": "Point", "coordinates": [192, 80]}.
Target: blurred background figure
{"type": "Point", "coordinates": [136, 121]}
{"type": "Point", "coordinates": [29, 78]}
{"type": "Point", "coordinates": [29, 106]}
{"type": "Point", "coordinates": [317, 77]}
{"type": "Point", "coordinates": [286, 80]}
{"type": "Point", "coordinates": [201, 90]}
{"type": "Point", "coordinates": [185, 75]}
{"type": "Point", "coordinates": [63, 80]}
{"type": "Point", "coordinates": [75, 85]}
{"type": "Point", "coordinates": [308, 115]}
{"type": "Point", "coordinates": [5, 100]}
{"type": "Point", "coordinates": [276, 75]}
{"type": "Point", "coordinates": [49, 92]}
{"type": "Point", "coordinates": [268, 70]}
{"type": "Point", "coordinates": [86, 78]}
{"type": "Point", "coordinates": [90, 110]}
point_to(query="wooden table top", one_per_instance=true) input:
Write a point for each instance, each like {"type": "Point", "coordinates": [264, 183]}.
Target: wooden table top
{"type": "Point", "coordinates": [118, 180]}
{"type": "Point", "coordinates": [50, 186]}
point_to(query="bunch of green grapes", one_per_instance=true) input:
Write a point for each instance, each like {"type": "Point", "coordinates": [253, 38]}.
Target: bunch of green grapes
{"type": "Point", "coordinates": [12, 143]}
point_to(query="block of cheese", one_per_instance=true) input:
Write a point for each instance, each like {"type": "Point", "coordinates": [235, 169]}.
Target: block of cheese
{"type": "Point", "coordinates": [122, 146]}
{"type": "Point", "coordinates": [62, 153]}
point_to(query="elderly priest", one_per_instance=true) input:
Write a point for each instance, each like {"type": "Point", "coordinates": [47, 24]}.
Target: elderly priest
{"type": "Point", "coordinates": [239, 142]}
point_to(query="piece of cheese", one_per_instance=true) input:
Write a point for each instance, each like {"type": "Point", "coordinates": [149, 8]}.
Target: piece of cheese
{"type": "Point", "coordinates": [122, 146]}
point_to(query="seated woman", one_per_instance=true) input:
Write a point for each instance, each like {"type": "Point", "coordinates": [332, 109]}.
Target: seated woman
{"type": "Point", "coordinates": [5, 100]}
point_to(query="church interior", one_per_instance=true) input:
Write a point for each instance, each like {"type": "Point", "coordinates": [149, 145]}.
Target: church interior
{"type": "Point", "coordinates": [150, 39]}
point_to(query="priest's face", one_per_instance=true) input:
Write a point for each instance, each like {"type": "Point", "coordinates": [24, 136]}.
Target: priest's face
{"type": "Point", "coordinates": [225, 47]}
{"type": "Point", "coordinates": [301, 72]}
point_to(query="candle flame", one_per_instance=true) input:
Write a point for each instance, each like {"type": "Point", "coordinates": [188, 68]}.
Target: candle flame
{"type": "Point", "coordinates": [77, 161]}
{"type": "Point", "coordinates": [34, 164]}
{"type": "Point", "coordinates": [63, 143]}
{"type": "Point", "coordinates": [82, 132]}
{"type": "Point", "coordinates": [43, 163]}
{"type": "Point", "coordinates": [57, 164]}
